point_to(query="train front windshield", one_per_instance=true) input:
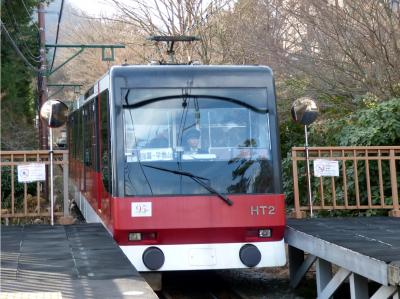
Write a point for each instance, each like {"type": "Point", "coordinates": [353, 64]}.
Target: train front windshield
{"type": "Point", "coordinates": [172, 143]}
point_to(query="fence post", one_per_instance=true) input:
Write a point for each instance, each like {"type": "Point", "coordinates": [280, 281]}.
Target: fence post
{"type": "Point", "coordinates": [65, 183]}
{"type": "Point", "coordinates": [12, 186]}
{"type": "Point", "coordinates": [297, 212]}
{"type": "Point", "coordinates": [393, 179]}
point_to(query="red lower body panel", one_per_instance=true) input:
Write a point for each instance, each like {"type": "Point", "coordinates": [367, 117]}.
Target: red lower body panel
{"type": "Point", "coordinates": [199, 219]}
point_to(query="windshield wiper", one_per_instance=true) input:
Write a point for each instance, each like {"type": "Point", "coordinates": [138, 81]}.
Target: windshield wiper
{"type": "Point", "coordinates": [144, 102]}
{"type": "Point", "coordinates": [197, 179]}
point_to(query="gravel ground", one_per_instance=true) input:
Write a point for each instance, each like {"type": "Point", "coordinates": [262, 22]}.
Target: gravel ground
{"type": "Point", "coordinates": [267, 283]}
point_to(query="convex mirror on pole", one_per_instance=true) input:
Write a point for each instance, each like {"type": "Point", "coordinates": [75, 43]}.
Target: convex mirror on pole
{"type": "Point", "coordinates": [305, 111]}
{"type": "Point", "coordinates": [54, 112]}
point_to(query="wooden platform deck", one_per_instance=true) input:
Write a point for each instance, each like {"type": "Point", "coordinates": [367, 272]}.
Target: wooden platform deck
{"type": "Point", "coordinates": [75, 261]}
{"type": "Point", "coordinates": [364, 248]}
{"type": "Point", "coordinates": [376, 237]}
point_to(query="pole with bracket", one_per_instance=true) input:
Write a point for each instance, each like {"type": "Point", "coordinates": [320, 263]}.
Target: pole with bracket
{"type": "Point", "coordinates": [42, 88]}
{"type": "Point", "coordinates": [43, 74]}
{"type": "Point", "coordinates": [62, 85]}
{"type": "Point", "coordinates": [82, 47]}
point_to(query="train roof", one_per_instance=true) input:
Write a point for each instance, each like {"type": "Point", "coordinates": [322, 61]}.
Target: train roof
{"type": "Point", "coordinates": [121, 69]}
{"type": "Point", "coordinates": [178, 76]}
{"type": "Point", "coordinates": [198, 75]}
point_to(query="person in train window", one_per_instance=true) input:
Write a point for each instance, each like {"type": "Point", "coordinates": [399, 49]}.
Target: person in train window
{"type": "Point", "coordinates": [192, 142]}
{"type": "Point", "coordinates": [160, 140]}
{"type": "Point", "coordinates": [233, 135]}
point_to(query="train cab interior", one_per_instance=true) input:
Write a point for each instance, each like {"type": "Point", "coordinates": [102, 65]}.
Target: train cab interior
{"type": "Point", "coordinates": [224, 133]}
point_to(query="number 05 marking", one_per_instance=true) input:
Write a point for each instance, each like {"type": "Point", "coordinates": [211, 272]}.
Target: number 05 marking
{"type": "Point", "coordinates": [141, 209]}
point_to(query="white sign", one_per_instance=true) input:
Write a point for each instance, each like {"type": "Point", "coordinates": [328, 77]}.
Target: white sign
{"type": "Point", "coordinates": [141, 209]}
{"type": "Point", "coordinates": [326, 168]}
{"type": "Point", "coordinates": [31, 172]}
{"type": "Point", "coordinates": [151, 154]}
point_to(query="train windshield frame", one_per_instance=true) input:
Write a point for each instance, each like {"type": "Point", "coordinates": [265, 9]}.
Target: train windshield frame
{"type": "Point", "coordinates": [231, 150]}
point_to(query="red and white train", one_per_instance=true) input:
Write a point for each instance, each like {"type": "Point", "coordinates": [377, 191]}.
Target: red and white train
{"type": "Point", "coordinates": [171, 203]}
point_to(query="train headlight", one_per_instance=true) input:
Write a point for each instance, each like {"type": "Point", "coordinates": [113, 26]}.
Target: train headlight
{"type": "Point", "coordinates": [135, 236]}
{"type": "Point", "coordinates": [264, 233]}
{"type": "Point", "coordinates": [141, 236]}
{"type": "Point", "coordinates": [153, 258]}
{"type": "Point", "coordinates": [250, 255]}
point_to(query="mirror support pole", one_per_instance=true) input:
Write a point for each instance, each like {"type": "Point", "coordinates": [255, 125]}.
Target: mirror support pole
{"type": "Point", "coordinates": [310, 201]}
{"type": "Point", "coordinates": [54, 112]}
{"type": "Point", "coordinates": [51, 177]}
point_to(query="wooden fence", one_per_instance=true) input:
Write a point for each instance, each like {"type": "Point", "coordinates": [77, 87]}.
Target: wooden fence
{"type": "Point", "coordinates": [21, 200]}
{"type": "Point", "coordinates": [368, 179]}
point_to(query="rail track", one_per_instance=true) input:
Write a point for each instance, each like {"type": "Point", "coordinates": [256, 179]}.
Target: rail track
{"type": "Point", "coordinates": [233, 284]}
{"type": "Point", "coordinates": [197, 285]}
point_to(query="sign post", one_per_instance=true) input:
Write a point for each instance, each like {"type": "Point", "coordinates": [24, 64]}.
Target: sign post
{"type": "Point", "coordinates": [310, 201]}
{"type": "Point", "coordinates": [54, 112]}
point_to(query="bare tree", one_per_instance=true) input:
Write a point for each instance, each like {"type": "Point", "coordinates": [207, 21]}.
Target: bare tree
{"type": "Point", "coordinates": [254, 32]}
{"type": "Point", "coordinates": [340, 47]}
{"type": "Point", "coordinates": [175, 17]}
{"type": "Point", "coordinates": [347, 47]}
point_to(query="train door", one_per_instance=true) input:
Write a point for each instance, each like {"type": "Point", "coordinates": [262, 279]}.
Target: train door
{"type": "Point", "coordinates": [88, 153]}
{"type": "Point", "coordinates": [94, 149]}
{"type": "Point", "coordinates": [85, 146]}
{"type": "Point", "coordinates": [81, 177]}
{"type": "Point", "coordinates": [70, 145]}
{"type": "Point", "coordinates": [104, 180]}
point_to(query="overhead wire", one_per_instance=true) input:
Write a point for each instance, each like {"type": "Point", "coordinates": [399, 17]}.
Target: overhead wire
{"type": "Point", "coordinates": [15, 46]}
{"type": "Point", "coordinates": [29, 14]}
{"type": "Point", "coordinates": [58, 31]}
{"type": "Point", "coordinates": [18, 30]}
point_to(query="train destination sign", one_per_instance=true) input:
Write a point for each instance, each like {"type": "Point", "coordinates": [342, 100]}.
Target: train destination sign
{"type": "Point", "coordinates": [326, 168]}
{"type": "Point", "coordinates": [31, 173]}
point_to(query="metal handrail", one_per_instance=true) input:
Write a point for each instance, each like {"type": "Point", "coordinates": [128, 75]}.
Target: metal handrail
{"type": "Point", "coordinates": [32, 205]}
{"type": "Point", "coordinates": [367, 179]}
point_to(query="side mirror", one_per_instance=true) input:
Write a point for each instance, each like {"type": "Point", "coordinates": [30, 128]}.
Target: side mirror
{"type": "Point", "coordinates": [54, 112]}
{"type": "Point", "coordinates": [304, 111]}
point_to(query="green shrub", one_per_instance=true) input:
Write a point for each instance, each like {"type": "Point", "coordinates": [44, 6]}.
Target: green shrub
{"type": "Point", "coordinates": [377, 124]}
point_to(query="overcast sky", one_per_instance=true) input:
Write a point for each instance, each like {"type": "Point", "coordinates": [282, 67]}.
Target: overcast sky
{"type": "Point", "coordinates": [93, 7]}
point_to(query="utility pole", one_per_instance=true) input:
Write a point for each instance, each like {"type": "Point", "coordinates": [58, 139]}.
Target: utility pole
{"type": "Point", "coordinates": [42, 89]}
{"type": "Point", "coordinates": [42, 80]}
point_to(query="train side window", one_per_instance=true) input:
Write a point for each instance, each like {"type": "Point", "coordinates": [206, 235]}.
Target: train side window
{"type": "Point", "coordinates": [94, 137]}
{"type": "Point", "coordinates": [105, 141]}
{"type": "Point", "coordinates": [70, 136]}
{"type": "Point", "coordinates": [87, 137]}
{"type": "Point", "coordinates": [80, 136]}
{"type": "Point", "coordinates": [73, 136]}
{"type": "Point", "coordinates": [76, 134]}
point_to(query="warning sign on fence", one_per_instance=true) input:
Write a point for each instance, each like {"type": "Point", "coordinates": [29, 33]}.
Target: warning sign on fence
{"type": "Point", "coordinates": [31, 173]}
{"type": "Point", "coordinates": [326, 168]}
